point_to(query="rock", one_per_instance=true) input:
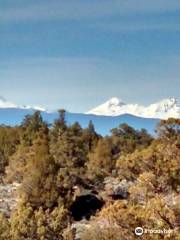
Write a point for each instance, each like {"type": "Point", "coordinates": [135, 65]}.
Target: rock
{"type": "Point", "coordinates": [79, 228]}
{"type": "Point", "coordinates": [8, 197]}
{"type": "Point", "coordinates": [117, 189]}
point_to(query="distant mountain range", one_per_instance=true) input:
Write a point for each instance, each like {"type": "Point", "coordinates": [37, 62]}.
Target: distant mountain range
{"type": "Point", "coordinates": [164, 109]}
{"type": "Point", "coordinates": [4, 104]}
{"type": "Point", "coordinates": [105, 117]}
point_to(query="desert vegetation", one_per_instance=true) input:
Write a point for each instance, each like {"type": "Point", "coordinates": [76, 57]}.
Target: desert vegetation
{"type": "Point", "coordinates": [109, 185]}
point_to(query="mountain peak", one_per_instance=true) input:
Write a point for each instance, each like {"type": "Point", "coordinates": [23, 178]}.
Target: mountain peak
{"type": "Point", "coordinates": [169, 101]}
{"type": "Point", "coordinates": [166, 108]}
{"type": "Point", "coordinates": [109, 108]}
{"type": "Point", "coordinates": [115, 101]}
{"type": "Point", "coordinates": [6, 104]}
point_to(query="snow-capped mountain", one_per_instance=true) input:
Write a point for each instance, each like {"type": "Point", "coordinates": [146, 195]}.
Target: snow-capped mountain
{"type": "Point", "coordinates": [12, 115]}
{"type": "Point", "coordinates": [6, 104]}
{"type": "Point", "coordinates": [164, 109]}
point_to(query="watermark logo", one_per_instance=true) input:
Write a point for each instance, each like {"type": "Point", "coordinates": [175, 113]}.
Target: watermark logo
{"type": "Point", "coordinates": [139, 231]}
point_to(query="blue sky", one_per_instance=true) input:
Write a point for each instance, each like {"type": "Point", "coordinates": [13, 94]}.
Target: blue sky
{"type": "Point", "coordinates": [76, 54]}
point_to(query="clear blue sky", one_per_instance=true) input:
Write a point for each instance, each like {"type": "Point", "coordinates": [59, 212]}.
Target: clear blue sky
{"type": "Point", "coordinates": [78, 53]}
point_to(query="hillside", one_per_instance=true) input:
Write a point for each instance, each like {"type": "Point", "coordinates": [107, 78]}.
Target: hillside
{"type": "Point", "coordinates": [66, 182]}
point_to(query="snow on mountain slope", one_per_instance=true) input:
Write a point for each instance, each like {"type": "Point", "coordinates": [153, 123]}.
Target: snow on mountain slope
{"type": "Point", "coordinates": [164, 109]}
{"type": "Point", "coordinates": [6, 104]}
{"type": "Point", "coordinates": [12, 115]}
{"type": "Point", "coordinates": [115, 107]}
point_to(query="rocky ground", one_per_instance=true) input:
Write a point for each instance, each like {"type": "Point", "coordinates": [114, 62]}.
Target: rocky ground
{"type": "Point", "coordinates": [114, 189]}
{"type": "Point", "coordinates": [8, 197]}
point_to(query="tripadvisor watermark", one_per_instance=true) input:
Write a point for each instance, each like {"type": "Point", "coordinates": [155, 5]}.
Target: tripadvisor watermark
{"type": "Point", "coordinates": [139, 231]}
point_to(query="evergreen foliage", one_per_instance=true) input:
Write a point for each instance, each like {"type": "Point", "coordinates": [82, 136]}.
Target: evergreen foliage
{"type": "Point", "coordinates": [50, 162]}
